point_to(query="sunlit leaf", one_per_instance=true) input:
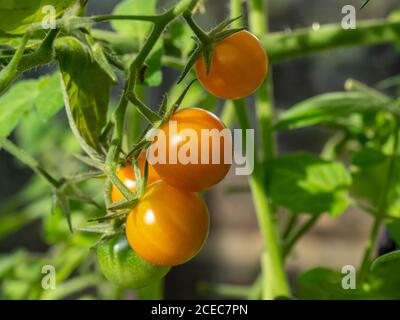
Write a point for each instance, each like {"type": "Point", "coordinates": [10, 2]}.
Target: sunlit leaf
{"type": "Point", "coordinates": [134, 29]}
{"type": "Point", "coordinates": [304, 183]}
{"type": "Point", "coordinates": [16, 15]}
{"type": "Point", "coordinates": [42, 95]}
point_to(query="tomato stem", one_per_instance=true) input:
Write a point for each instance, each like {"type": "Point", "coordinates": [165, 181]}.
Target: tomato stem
{"type": "Point", "coordinates": [9, 73]}
{"type": "Point", "coordinates": [274, 280]}
{"type": "Point", "coordinates": [201, 35]}
{"type": "Point", "coordinates": [291, 241]}
{"type": "Point", "coordinates": [101, 18]}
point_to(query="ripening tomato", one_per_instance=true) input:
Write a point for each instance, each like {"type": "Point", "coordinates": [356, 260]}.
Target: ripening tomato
{"type": "Point", "coordinates": [239, 66]}
{"type": "Point", "coordinates": [123, 267]}
{"type": "Point", "coordinates": [127, 176]}
{"type": "Point", "coordinates": [168, 226]}
{"type": "Point", "coordinates": [194, 150]}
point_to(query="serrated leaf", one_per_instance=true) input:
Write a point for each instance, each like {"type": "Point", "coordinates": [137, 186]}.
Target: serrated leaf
{"type": "Point", "coordinates": [42, 95]}
{"type": "Point", "coordinates": [134, 29]}
{"type": "Point", "coordinates": [305, 183]}
{"type": "Point", "coordinates": [17, 15]}
{"type": "Point", "coordinates": [327, 108]}
{"type": "Point", "coordinates": [86, 90]}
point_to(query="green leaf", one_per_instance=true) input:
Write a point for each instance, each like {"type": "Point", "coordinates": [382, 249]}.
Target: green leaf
{"type": "Point", "coordinates": [368, 157]}
{"type": "Point", "coordinates": [134, 29]}
{"type": "Point", "coordinates": [327, 108]}
{"type": "Point", "coordinates": [385, 277]}
{"type": "Point", "coordinates": [42, 95]}
{"type": "Point", "coordinates": [326, 284]}
{"type": "Point", "coordinates": [49, 99]}
{"type": "Point", "coordinates": [17, 15]}
{"type": "Point", "coordinates": [383, 262]}
{"type": "Point", "coordinates": [305, 183]}
{"type": "Point", "coordinates": [370, 170]}
{"type": "Point", "coordinates": [86, 91]}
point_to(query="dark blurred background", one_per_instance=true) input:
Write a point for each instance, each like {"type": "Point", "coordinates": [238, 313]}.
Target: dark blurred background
{"type": "Point", "coordinates": [233, 250]}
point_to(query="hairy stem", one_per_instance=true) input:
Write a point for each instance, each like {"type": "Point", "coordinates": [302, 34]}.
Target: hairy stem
{"type": "Point", "coordinates": [287, 45]}
{"type": "Point", "coordinates": [275, 282]}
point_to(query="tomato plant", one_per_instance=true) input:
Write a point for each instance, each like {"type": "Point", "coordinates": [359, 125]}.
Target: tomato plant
{"type": "Point", "coordinates": [84, 128]}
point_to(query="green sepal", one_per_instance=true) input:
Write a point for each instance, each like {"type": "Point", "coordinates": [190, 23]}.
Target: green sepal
{"type": "Point", "coordinates": [227, 33]}
{"type": "Point", "coordinates": [223, 25]}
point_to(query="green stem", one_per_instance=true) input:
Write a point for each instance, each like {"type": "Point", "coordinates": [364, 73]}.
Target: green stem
{"type": "Point", "coordinates": [382, 207]}
{"type": "Point", "coordinates": [236, 11]}
{"type": "Point", "coordinates": [21, 63]}
{"type": "Point", "coordinates": [228, 114]}
{"type": "Point", "coordinates": [9, 73]}
{"type": "Point", "coordinates": [290, 225]}
{"type": "Point", "coordinates": [130, 86]}
{"type": "Point", "coordinates": [258, 25]}
{"type": "Point", "coordinates": [302, 231]}
{"type": "Point", "coordinates": [203, 37]}
{"type": "Point", "coordinates": [101, 18]}
{"type": "Point", "coordinates": [274, 282]}
{"type": "Point", "coordinates": [288, 45]}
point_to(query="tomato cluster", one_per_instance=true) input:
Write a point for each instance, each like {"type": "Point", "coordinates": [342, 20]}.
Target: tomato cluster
{"type": "Point", "coordinates": [169, 224]}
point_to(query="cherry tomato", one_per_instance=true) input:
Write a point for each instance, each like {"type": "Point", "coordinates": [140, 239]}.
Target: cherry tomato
{"type": "Point", "coordinates": [168, 226]}
{"type": "Point", "coordinates": [195, 174]}
{"type": "Point", "coordinates": [123, 267]}
{"type": "Point", "coordinates": [239, 66]}
{"type": "Point", "coordinates": [127, 176]}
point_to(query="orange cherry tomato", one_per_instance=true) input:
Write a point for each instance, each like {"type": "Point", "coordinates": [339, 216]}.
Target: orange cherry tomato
{"type": "Point", "coordinates": [168, 226]}
{"type": "Point", "coordinates": [239, 66]}
{"type": "Point", "coordinates": [195, 174]}
{"type": "Point", "coordinates": [127, 176]}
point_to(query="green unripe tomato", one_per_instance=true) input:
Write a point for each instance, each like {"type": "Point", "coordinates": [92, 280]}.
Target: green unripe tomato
{"type": "Point", "coordinates": [123, 267]}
